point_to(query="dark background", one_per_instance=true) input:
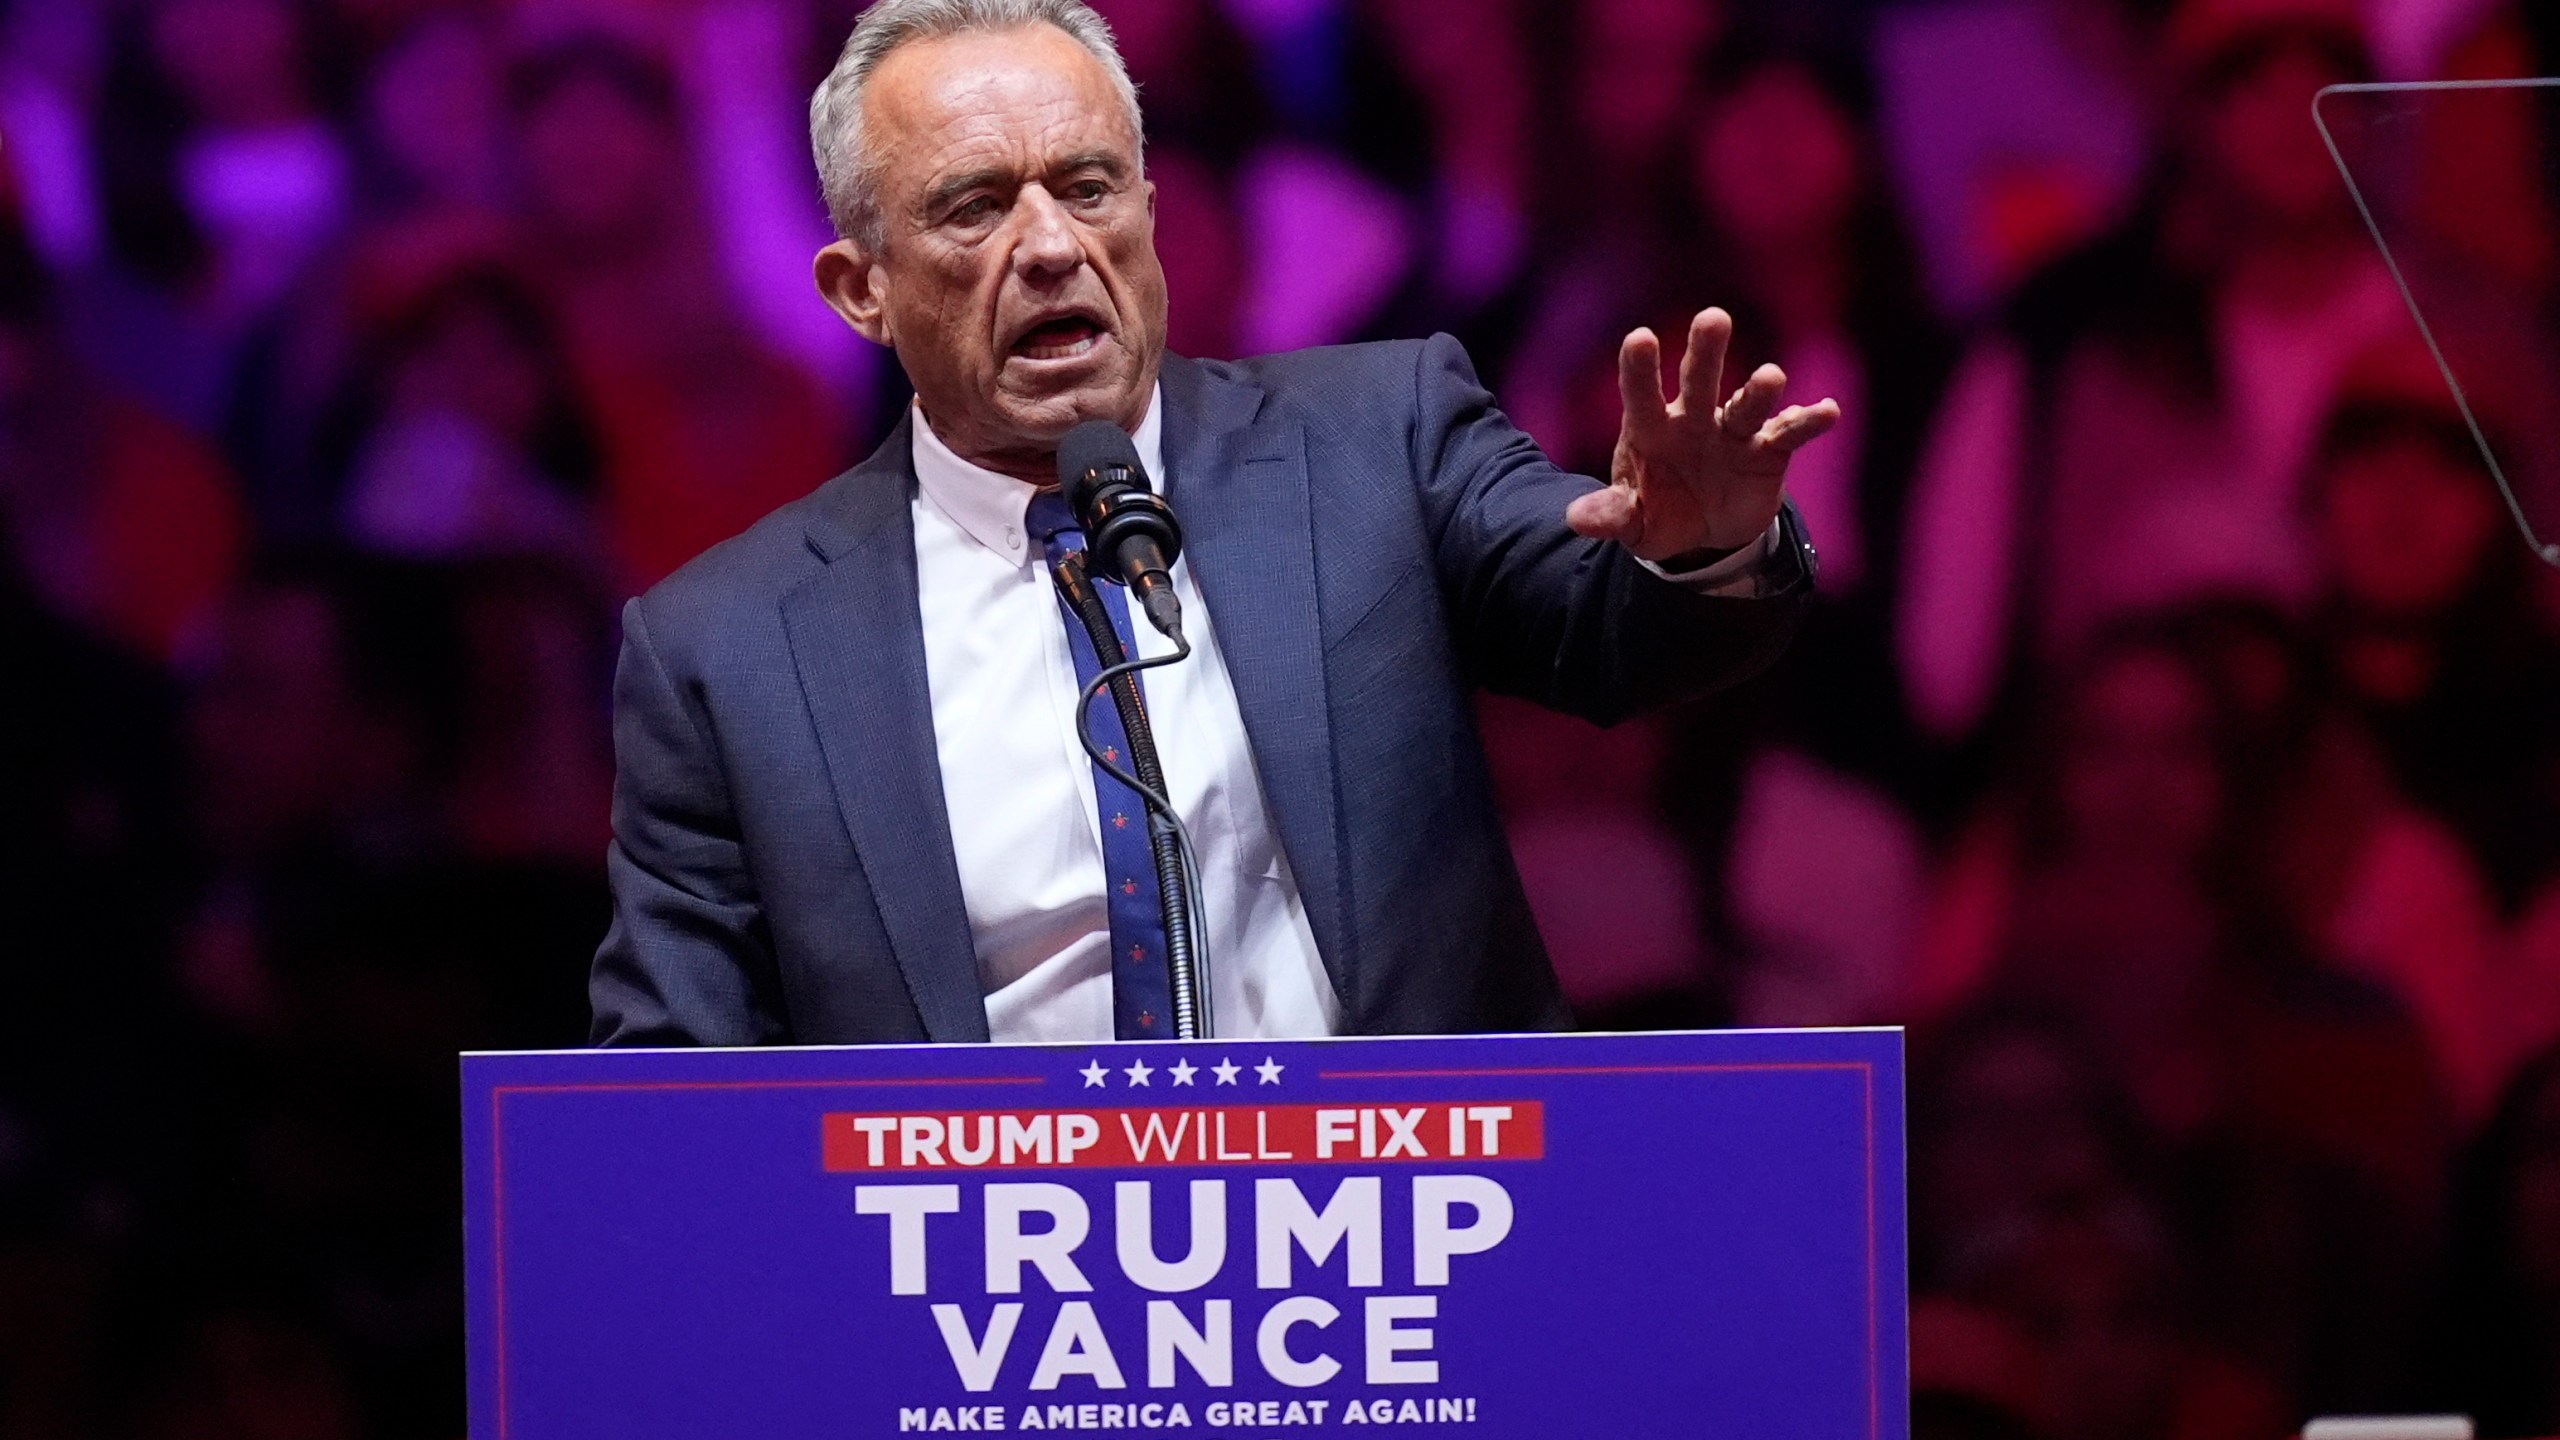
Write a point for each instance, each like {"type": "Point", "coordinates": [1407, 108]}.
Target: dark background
{"type": "Point", "coordinates": [2173, 747]}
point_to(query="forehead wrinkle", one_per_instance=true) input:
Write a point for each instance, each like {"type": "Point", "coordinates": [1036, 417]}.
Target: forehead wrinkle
{"type": "Point", "coordinates": [1042, 63]}
{"type": "Point", "coordinates": [1019, 155]}
{"type": "Point", "coordinates": [1002, 107]}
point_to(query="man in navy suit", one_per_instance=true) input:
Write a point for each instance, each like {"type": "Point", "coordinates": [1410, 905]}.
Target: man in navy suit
{"type": "Point", "coordinates": [850, 805]}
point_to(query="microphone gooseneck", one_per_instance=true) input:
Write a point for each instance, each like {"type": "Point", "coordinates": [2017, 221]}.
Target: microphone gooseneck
{"type": "Point", "coordinates": [1177, 866]}
{"type": "Point", "coordinates": [1129, 531]}
{"type": "Point", "coordinates": [1130, 536]}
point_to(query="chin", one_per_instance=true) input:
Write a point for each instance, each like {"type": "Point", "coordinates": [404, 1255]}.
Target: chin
{"type": "Point", "coordinates": [1049, 417]}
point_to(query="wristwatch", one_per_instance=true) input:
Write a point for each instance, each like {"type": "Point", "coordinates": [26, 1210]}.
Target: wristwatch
{"type": "Point", "coordinates": [1792, 540]}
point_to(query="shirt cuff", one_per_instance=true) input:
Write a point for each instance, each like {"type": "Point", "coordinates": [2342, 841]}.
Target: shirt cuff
{"type": "Point", "coordinates": [1739, 573]}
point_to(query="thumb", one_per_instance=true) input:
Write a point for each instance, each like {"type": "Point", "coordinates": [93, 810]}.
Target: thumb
{"type": "Point", "coordinates": [1608, 513]}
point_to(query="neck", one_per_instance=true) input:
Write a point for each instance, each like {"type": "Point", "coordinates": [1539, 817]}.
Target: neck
{"type": "Point", "coordinates": [1032, 467]}
{"type": "Point", "coordinates": [1028, 461]}
{"type": "Point", "coordinates": [1025, 458]}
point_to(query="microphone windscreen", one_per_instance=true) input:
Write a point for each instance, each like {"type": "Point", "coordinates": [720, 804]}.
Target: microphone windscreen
{"type": "Point", "coordinates": [1091, 446]}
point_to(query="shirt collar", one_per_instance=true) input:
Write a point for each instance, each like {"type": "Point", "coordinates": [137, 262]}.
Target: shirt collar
{"type": "Point", "coordinates": [989, 506]}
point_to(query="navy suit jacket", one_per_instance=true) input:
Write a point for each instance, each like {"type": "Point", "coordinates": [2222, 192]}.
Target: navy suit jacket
{"type": "Point", "coordinates": [1373, 540]}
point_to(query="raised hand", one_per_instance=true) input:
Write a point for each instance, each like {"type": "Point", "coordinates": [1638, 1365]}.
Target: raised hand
{"type": "Point", "coordinates": [1694, 476]}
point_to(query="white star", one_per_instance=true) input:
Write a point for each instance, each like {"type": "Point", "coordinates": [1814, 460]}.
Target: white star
{"type": "Point", "coordinates": [1093, 1074]}
{"type": "Point", "coordinates": [1137, 1072]}
{"type": "Point", "coordinates": [1182, 1072]}
{"type": "Point", "coordinates": [1225, 1070]}
{"type": "Point", "coordinates": [1269, 1070]}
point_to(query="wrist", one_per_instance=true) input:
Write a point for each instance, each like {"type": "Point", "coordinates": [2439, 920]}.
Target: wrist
{"type": "Point", "coordinates": [1688, 561]}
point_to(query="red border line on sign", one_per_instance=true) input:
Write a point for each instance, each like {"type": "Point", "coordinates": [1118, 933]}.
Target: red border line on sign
{"type": "Point", "coordinates": [1867, 1076]}
{"type": "Point", "coordinates": [498, 1160]}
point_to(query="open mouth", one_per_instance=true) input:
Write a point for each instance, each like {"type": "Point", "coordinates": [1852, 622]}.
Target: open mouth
{"type": "Point", "coordinates": [1062, 338]}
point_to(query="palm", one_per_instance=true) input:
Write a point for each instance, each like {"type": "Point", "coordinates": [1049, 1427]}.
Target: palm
{"type": "Point", "coordinates": [1691, 475]}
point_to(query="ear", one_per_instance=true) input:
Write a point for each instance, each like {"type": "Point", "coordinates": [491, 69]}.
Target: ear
{"type": "Point", "coordinates": [854, 285]}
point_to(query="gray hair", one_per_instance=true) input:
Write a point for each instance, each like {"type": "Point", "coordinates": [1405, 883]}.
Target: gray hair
{"type": "Point", "coordinates": [848, 172]}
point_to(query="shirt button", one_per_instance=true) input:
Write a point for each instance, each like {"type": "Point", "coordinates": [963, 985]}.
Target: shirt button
{"type": "Point", "coordinates": [1012, 538]}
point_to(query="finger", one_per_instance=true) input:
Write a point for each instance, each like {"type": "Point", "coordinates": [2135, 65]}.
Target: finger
{"type": "Point", "coordinates": [1702, 364]}
{"type": "Point", "coordinates": [1609, 513]}
{"type": "Point", "coordinates": [1797, 426]}
{"type": "Point", "coordinates": [1753, 404]}
{"type": "Point", "coordinates": [1640, 376]}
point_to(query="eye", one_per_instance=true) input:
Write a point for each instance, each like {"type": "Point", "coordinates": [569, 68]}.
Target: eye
{"type": "Point", "coordinates": [976, 210]}
{"type": "Point", "coordinates": [1088, 191]}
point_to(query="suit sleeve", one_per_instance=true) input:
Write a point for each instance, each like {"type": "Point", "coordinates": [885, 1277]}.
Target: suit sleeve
{"type": "Point", "coordinates": [688, 959]}
{"type": "Point", "coordinates": [1577, 625]}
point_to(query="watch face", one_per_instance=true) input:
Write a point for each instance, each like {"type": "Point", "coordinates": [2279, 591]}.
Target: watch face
{"type": "Point", "coordinates": [1792, 531]}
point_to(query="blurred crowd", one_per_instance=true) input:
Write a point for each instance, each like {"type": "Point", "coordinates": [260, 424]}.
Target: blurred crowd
{"type": "Point", "coordinates": [2175, 746]}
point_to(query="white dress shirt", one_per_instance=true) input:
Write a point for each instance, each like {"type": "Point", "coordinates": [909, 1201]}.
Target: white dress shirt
{"type": "Point", "coordinates": [1019, 788]}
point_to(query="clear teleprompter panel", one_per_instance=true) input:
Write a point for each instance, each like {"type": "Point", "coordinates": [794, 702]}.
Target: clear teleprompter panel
{"type": "Point", "coordinates": [2459, 183]}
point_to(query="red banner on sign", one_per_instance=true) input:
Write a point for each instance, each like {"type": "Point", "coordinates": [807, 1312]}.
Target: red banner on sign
{"type": "Point", "coordinates": [1192, 1136]}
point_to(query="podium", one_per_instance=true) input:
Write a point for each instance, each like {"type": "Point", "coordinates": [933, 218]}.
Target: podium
{"type": "Point", "coordinates": [1487, 1238]}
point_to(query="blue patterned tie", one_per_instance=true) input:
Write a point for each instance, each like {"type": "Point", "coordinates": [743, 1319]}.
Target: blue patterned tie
{"type": "Point", "coordinates": [1141, 985]}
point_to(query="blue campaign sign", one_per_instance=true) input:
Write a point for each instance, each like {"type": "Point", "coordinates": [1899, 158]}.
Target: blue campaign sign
{"type": "Point", "coordinates": [1488, 1238]}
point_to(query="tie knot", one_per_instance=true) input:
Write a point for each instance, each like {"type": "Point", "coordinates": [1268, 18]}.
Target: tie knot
{"type": "Point", "coordinates": [1049, 516]}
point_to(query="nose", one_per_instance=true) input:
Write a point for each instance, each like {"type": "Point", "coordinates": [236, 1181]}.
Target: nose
{"type": "Point", "coordinates": [1049, 247]}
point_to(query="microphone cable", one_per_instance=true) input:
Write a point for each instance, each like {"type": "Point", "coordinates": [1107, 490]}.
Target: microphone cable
{"type": "Point", "coordinates": [1072, 580]}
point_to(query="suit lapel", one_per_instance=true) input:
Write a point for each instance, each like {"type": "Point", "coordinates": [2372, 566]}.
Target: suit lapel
{"type": "Point", "coordinates": [857, 638]}
{"type": "Point", "coordinates": [1238, 478]}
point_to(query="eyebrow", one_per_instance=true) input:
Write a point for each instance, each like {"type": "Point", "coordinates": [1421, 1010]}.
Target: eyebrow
{"type": "Point", "coordinates": [944, 192]}
{"type": "Point", "coordinates": [1102, 160]}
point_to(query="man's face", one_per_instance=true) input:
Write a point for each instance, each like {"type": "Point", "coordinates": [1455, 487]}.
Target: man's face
{"type": "Point", "coordinates": [2277, 166]}
{"type": "Point", "coordinates": [2406, 527]}
{"type": "Point", "coordinates": [1017, 275]}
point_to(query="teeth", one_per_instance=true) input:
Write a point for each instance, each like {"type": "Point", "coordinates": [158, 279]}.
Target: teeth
{"type": "Point", "coordinates": [1062, 352]}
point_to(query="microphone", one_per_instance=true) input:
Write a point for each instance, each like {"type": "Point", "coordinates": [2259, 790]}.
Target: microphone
{"type": "Point", "coordinates": [1130, 534]}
